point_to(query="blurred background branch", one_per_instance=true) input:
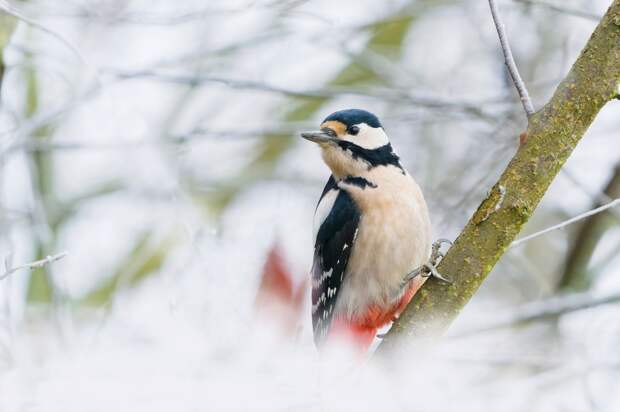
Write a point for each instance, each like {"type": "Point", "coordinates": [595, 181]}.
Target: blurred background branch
{"type": "Point", "coordinates": [590, 213]}
{"type": "Point", "coordinates": [577, 275]}
{"type": "Point", "coordinates": [7, 25]}
{"type": "Point", "coordinates": [547, 309]}
{"type": "Point", "coordinates": [560, 8]}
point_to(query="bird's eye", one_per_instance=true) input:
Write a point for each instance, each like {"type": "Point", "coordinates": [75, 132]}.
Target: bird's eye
{"type": "Point", "coordinates": [354, 130]}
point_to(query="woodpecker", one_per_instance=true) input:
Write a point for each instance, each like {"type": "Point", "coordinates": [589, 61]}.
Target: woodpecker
{"type": "Point", "coordinates": [371, 230]}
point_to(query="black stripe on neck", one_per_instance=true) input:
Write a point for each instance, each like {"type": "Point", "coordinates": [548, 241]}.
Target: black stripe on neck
{"type": "Point", "coordinates": [359, 182]}
{"type": "Point", "coordinates": [331, 184]}
{"type": "Point", "coordinates": [381, 156]}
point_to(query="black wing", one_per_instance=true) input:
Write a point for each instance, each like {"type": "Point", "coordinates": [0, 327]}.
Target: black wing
{"type": "Point", "coordinates": [332, 249]}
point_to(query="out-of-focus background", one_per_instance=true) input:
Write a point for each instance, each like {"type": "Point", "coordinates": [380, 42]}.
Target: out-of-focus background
{"type": "Point", "coordinates": [156, 143]}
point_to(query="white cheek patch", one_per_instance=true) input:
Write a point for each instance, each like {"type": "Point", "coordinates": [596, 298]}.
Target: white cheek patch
{"type": "Point", "coordinates": [323, 209]}
{"type": "Point", "coordinates": [368, 137]}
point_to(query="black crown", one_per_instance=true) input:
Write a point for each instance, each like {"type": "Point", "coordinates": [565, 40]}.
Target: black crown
{"type": "Point", "coordinates": [354, 116]}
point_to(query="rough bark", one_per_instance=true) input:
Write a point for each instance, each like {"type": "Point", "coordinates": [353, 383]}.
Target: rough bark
{"type": "Point", "coordinates": [552, 134]}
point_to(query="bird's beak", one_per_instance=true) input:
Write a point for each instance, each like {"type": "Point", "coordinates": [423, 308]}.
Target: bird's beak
{"type": "Point", "coordinates": [319, 137]}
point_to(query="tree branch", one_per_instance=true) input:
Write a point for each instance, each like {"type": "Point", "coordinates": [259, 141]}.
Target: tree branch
{"type": "Point", "coordinates": [553, 132]}
{"type": "Point", "coordinates": [544, 309]}
{"type": "Point", "coordinates": [589, 213]}
{"type": "Point", "coordinates": [510, 61]}
{"type": "Point", "coordinates": [386, 94]}
{"type": "Point", "coordinates": [7, 25]}
{"type": "Point", "coordinates": [562, 9]}
{"type": "Point", "coordinates": [575, 275]}
{"type": "Point", "coordinates": [32, 265]}
{"type": "Point", "coordinates": [9, 9]}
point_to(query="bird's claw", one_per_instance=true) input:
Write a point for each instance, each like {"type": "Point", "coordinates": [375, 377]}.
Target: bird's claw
{"type": "Point", "coordinates": [432, 271]}
{"type": "Point", "coordinates": [436, 249]}
{"type": "Point", "coordinates": [430, 268]}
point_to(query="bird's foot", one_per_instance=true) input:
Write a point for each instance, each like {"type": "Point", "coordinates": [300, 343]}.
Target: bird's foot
{"type": "Point", "coordinates": [430, 268]}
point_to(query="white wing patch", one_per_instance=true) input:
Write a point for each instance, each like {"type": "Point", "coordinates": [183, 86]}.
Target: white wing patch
{"type": "Point", "coordinates": [323, 209]}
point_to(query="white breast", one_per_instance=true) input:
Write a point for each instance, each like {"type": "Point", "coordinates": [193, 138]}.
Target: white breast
{"type": "Point", "coordinates": [394, 238]}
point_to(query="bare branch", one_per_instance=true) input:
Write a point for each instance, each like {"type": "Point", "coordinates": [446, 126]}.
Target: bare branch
{"type": "Point", "coordinates": [510, 62]}
{"type": "Point", "coordinates": [570, 221]}
{"type": "Point", "coordinates": [32, 265]}
{"type": "Point", "coordinates": [122, 143]}
{"type": "Point", "coordinates": [562, 9]}
{"type": "Point", "coordinates": [598, 197]}
{"type": "Point", "coordinates": [7, 25]}
{"type": "Point", "coordinates": [7, 142]}
{"type": "Point", "coordinates": [383, 93]}
{"type": "Point", "coordinates": [545, 309]}
{"type": "Point", "coordinates": [576, 275]}
{"type": "Point", "coordinates": [9, 9]}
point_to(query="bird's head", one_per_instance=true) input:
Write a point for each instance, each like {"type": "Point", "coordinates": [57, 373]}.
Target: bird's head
{"type": "Point", "coordinates": [353, 141]}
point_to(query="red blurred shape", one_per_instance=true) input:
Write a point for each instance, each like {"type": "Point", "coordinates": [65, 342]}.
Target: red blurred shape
{"type": "Point", "coordinates": [277, 298]}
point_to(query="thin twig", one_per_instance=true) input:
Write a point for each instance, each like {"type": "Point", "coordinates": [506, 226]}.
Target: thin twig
{"type": "Point", "coordinates": [576, 275]}
{"type": "Point", "coordinates": [431, 102]}
{"type": "Point", "coordinates": [562, 9]}
{"type": "Point", "coordinates": [33, 265]}
{"type": "Point", "coordinates": [577, 218]}
{"type": "Point", "coordinates": [9, 9]}
{"type": "Point", "coordinates": [510, 62]}
{"type": "Point", "coordinates": [122, 143]}
{"type": "Point", "coordinates": [597, 197]}
{"type": "Point", "coordinates": [545, 309]}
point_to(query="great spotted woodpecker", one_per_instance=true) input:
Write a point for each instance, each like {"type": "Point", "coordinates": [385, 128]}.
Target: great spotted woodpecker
{"type": "Point", "coordinates": [371, 228]}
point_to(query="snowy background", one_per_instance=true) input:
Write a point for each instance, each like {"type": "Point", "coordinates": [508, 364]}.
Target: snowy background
{"type": "Point", "coordinates": [156, 142]}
